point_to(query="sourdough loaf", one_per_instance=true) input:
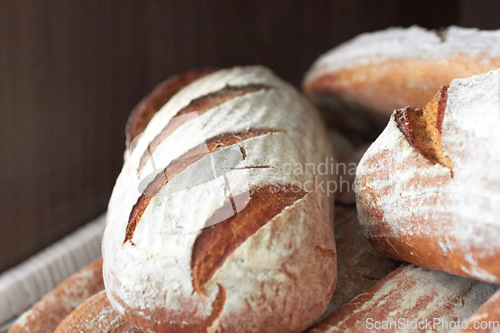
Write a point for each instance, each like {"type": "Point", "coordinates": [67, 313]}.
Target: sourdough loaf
{"type": "Point", "coordinates": [210, 225]}
{"type": "Point", "coordinates": [46, 314]}
{"type": "Point", "coordinates": [428, 189]}
{"type": "Point", "coordinates": [410, 299]}
{"type": "Point", "coordinates": [360, 83]}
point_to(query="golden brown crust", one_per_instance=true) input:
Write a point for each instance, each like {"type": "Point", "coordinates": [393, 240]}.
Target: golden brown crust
{"type": "Point", "coordinates": [217, 241]}
{"type": "Point", "coordinates": [199, 105]}
{"type": "Point", "coordinates": [419, 206]}
{"type": "Point", "coordinates": [260, 285]}
{"type": "Point", "coordinates": [95, 315]}
{"type": "Point", "coordinates": [396, 86]}
{"type": "Point", "coordinates": [346, 173]}
{"type": "Point", "coordinates": [410, 294]}
{"type": "Point", "coordinates": [190, 157]}
{"type": "Point", "coordinates": [145, 110]}
{"type": "Point", "coordinates": [374, 90]}
{"type": "Point", "coordinates": [45, 315]}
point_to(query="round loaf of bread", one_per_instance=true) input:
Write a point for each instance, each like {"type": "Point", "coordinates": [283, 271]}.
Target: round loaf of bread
{"type": "Point", "coordinates": [215, 224]}
{"type": "Point", "coordinates": [428, 189]}
{"type": "Point", "coordinates": [361, 82]}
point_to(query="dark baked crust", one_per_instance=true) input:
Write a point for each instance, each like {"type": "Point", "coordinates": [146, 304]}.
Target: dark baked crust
{"type": "Point", "coordinates": [422, 127]}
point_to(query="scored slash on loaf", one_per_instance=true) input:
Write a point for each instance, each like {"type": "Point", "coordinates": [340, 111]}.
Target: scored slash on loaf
{"type": "Point", "coordinates": [250, 249]}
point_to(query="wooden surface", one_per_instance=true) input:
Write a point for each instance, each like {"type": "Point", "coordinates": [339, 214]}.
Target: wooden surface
{"type": "Point", "coordinates": [70, 71]}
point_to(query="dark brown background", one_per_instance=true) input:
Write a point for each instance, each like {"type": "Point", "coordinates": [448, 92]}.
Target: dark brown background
{"type": "Point", "coordinates": [70, 71]}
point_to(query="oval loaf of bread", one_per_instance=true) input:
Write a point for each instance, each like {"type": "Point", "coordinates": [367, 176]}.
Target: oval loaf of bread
{"type": "Point", "coordinates": [428, 189]}
{"type": "Point", "coordinates": [363, 80]}
{"type": "Point", "coordinates": [211, 224]}
{"type": "Point", "coordinates": [46, 314]}
{"type": "Point", "coordinates": [410, 299]}
{"type": "Point", "coordinates": [95, 315]}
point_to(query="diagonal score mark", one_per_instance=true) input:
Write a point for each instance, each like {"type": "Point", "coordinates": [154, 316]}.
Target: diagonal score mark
{"type": "Point", "coordinates": [201, 149]}
{"type": "Point", "coordinates": [422, 128]}
{"type": "Point", "coordinates": [217, 241]}
{"type": "Point", "coordinates": [152, 103]}
{"type": "Point", "coordinates": [175, 167]}
{"type": "Point", "coordinates": [196, 108]}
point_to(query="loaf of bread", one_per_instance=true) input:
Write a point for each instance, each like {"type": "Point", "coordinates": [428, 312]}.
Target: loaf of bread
{"type": "Point", "coordinates": [211, 226]}
{"type": "Point", "coordinates": [411, 299]}
{"type": "Point", "coordinates": [359, 83]}
{"type": "Point", "coordinates": [487, 318]}
{"type": "Point", "coordinates": [95, 315]}
{"type": "Point", "coordinates": [359, 265]}
{"type": "Point", "coordinates": [428, 189]}
{"type": "Point", "coordinates": [46, 314]}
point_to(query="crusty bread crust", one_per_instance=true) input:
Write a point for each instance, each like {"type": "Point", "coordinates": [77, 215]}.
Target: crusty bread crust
{"type": "Point", "coordinates": [413, 294]}
{"type": "Point", "coordinates": [46, 314]}
{"type": "Point", "coordinates": [147, 107]}
{"type": "Point", "coordinates": [359, 265]}
{"type": "Point", "coordinates": [196, 107]}
{"type": "Point", "coordinates": [249, 250]}
{"type": "Point", "coordinates": [434, 200]}
{"type": "Point", "coordinates": [95, 315]}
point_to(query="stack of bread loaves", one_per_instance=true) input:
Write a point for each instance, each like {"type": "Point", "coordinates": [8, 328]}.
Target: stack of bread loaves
{"type": "Point", "coordinates": [427, 189]}
{"type": "Point", "coordinates": [222, 221]}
